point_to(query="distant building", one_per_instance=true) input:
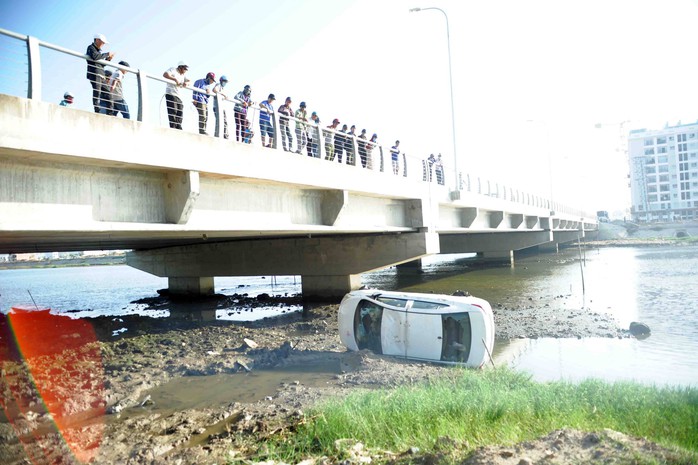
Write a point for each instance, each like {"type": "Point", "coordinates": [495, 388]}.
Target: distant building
{"type": "Point", "coordinates": [664, 173]}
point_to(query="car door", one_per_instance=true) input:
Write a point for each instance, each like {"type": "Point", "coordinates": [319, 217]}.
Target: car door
{"type": "Point", "coordinates": [393, 325]}
{"type": "Point", "coordinates": [423, 330]}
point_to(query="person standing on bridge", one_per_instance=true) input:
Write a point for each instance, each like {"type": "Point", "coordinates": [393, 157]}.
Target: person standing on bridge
{"type": "Point", "coordinates": [329, 139]}
{"type": "Point", "coordinates": [313, 135]}
{"type": "Point", "coordinates": [95, 70]}
{"type": "Point", "coordinates": [285, 112]}
{"type": "Point", "coordinates": [265, 125]}
{"type": "Point", "coordinates": [243, 101]}
{"type": "Point", "coordinates": [301, 127]}
{"type": "Point", "coordinates": [361, 143]}
{"type": "Point", "coordinates": [439, 169]}
{"type": "Point", "coordinates": [200, 99]}
{"type": "Point", "coordinates": [175, 108]}
{"type": "Point", "coordinates": [117, 92]}
{"type": "Point", "coordinates": [67, 100]}
{"type": "Point", "coordinates": [394, 154]}
{"type": "Point", "coordinates": [220, 94]}
{"type": "Point", "coordinates": [349, 145]}
{"type": "Point", "coordinates": [339, 142]}
{"type": "Point", "coordinates": [370, 145]}
{"type": "Point", "coordinates": [105, 99]}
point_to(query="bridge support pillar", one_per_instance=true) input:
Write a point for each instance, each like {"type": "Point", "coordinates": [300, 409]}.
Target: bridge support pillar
{"type": "Point", "coordinates": [329, 286]}
{"type": "Point", "coordinates": [502, 256]}
{"type": "Point", "coordinates": [191, 286]}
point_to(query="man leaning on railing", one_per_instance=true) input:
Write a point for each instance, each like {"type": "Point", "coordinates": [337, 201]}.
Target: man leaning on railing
{"type": "Point", "coordinates": [200, 99]}
{"type": "Point", "coordinates": [265, 124]}
{"type": "Point", "coordinates": [285, 112]}
{"type": "Point", "coordinates": [175, 108]}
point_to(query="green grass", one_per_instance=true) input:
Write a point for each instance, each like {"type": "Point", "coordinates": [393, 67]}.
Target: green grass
{"type": "Point", "coordinates": [493, 407]}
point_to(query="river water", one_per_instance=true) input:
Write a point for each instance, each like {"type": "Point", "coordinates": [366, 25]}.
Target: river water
{"type": "Point", "coordinates": [654, 285]}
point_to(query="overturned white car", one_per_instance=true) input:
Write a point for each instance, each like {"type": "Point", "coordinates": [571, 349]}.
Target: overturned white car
{"type": "Point", "coordinates": [432, 327]}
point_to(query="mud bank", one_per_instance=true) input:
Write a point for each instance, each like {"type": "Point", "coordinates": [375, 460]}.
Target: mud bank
{"type": "Point", "coordinates": [139, 354]}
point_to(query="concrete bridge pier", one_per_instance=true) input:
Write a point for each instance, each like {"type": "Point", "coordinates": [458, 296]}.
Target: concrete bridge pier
{"type": "Point", "coordinates": [191, 285]}
{"type": "Point", "coordinates": [499, 256]}
{"type": "Point", "coordinates": [329, 286]}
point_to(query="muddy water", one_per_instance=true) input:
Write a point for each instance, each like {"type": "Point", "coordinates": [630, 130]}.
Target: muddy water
{"type": "Point", "coordinates": [223, 389]}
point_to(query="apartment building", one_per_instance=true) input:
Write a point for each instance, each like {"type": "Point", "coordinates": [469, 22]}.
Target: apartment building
{"type": "Point", "coordinates": [664, 173]}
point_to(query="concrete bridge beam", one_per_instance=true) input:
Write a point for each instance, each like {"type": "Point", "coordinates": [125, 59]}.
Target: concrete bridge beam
{"type": "Point", "coordinates": [571, 235]}
{"type": "Point", "coordinates": [500, 242]}
{"type": "Point", "coordinates": [329, 266]}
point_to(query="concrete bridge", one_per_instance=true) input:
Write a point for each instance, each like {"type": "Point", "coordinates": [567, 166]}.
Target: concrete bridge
{"type": "Point", "coordinates": [192, 207]}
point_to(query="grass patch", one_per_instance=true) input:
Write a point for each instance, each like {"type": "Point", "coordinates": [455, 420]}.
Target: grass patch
{"type": "Point", "coordinates": [478, 408]}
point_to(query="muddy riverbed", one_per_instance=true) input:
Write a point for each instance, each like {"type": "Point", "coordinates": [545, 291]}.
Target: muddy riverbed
{"type": "Point", "coordinates": [138, 355]}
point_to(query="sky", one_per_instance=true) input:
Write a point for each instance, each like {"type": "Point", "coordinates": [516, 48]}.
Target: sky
{"type": "Point", "coordinates": [544, 91]}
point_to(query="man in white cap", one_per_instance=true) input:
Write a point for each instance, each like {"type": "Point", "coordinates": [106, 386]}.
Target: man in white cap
{"type": "Point", "coordinates": [177, 78]}
{"type": "Point", "coordinates": [95, 70]}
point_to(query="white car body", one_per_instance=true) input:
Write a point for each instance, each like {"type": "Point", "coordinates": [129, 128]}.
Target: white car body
{"type": "Point", "coordinates": [456, 330]}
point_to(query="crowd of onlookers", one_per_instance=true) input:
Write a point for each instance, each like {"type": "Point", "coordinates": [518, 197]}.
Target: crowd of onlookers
{"type": "Point", "coordinates": [339, 143]}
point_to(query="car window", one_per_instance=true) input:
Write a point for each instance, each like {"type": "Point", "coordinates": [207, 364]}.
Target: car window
{"type": "Point", "coordinates": [367, 326]}
{"type": "Point", "coordinates": [457, 337]}
{"type": "Point", "coordinates": [422, 305]}
{"type": "Point", "coordinates": [401, 303]}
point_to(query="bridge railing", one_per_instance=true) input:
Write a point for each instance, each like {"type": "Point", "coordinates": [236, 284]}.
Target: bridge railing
{"type": "Point", "coordinates": [43, 71]}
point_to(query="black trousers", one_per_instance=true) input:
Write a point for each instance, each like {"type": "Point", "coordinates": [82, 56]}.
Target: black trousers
{"type": "Point", "coordinates": [175, 111]}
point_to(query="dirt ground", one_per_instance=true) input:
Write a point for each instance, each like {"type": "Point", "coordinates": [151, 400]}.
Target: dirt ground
{"type": "Point", "coordinates": [190, 343]}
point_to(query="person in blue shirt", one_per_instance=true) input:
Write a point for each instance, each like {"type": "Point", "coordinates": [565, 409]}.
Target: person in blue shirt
{"type": "Point", "coordinates": [394, 154]}
{"type": "Point", "coordinates": [201, 99]}
{"type": "Point", "coordinates": [265, 125]}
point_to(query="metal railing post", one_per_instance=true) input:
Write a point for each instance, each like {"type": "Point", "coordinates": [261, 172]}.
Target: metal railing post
{"type": "Point", "coordinates": [34, 68]}
{"type": "Point", "coordinates": [142, 94]}
{"type": "Point", "coordinates": [217, 114]}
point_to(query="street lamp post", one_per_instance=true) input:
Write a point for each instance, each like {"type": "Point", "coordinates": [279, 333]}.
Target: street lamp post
{"type": "Point", "coordinates": [456, 192]}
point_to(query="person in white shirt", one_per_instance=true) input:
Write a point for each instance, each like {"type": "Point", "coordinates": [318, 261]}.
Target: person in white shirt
{"type": "Point", "coordinates": [117, 93]}
{"type": "Point", "coordinates": [219, 90]}
{"type": "Point", "coordinates": [175, 108]}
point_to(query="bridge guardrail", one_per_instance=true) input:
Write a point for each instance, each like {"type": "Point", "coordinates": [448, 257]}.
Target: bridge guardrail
{"type": "Point", "coordinates": [30, 57]}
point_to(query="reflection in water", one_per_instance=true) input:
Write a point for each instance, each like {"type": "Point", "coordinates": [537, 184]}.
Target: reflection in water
{"type": "Point", "coordinates": [609, 359]}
